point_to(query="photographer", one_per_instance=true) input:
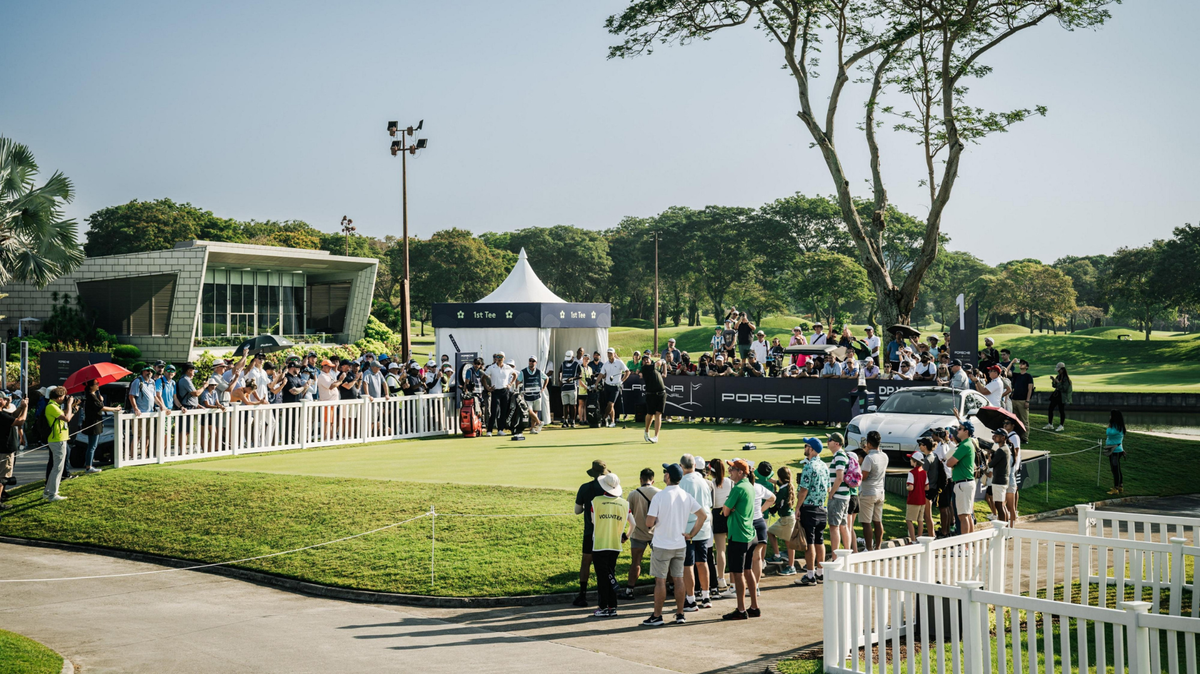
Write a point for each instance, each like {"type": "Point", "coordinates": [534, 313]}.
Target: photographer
{"type": "Point", "coordinates": [745, 334]}
{"type": "Point", "coordinates": [11, 422]}
{"type": "Point", "coordinates": [752, 368]}
{"type": "Point", "coordinates": [59, 420]}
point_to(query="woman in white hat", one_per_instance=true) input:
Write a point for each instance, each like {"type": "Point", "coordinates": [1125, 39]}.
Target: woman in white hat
{"type": "Point", "coordinates": [612, 521]}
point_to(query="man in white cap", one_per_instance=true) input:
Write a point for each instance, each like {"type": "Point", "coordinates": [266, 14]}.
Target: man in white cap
{"type": "Point", "coordinates": [760, 347]}
{"type": "Point", "coordinates": [499, 376]}
{"type": "Point", "coordinates": [220, 383]}
{"type": "Point", "coordinates": [611, 522]}
{"type": "Point", "coordinates": [569, 373]}
{"type": "Point", "coordinates": [672, 351]}
{"type": "Point", "coordinates": [615, 373]}
{"type": "Point", "coordinates": [873, 342]}
{"type": "Point", "coordinates": [532, 382]}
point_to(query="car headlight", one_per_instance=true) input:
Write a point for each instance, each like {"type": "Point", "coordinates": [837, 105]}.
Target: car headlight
{"type": "Point", "coordinates": [853, 428]}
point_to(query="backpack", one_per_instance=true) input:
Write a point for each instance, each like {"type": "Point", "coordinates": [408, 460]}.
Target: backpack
{"type": "Point", "coordinates": [852, 476]}
{"type": "Point", "coordinates": [38, 434]}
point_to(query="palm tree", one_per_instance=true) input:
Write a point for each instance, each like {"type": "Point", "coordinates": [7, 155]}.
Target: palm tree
{"type": "Point", "coordinates": [37, 245]}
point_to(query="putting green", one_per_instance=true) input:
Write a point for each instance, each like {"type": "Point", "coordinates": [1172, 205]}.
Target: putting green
{"type": "Point", "coordinates": [555, 458]}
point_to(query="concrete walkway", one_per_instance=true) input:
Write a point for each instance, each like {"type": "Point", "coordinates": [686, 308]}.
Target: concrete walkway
{"type": "Point", "coordinates": [195, 622]}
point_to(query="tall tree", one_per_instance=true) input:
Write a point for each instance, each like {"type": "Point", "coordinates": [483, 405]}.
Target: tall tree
{"type": "Point", "coordinates": [724, 253]}
{"type": "Point", "coordinates": [953, 274]}
{"type": "Point", "coordinates": [1138, 288]}
{"type": "Point", "coordinates": [571, 261]}
{"type": "Point", "coordinates": [450, 266]}
{"type": "Point", "coordinates": [37, 244]}
{"type": "Point", "coordinates": [1039, 290]}
{"type": "Point", "coordinates": [928, 52]}
{"type": "Point", "coordinates": [140, 226]}
{"type": "Point", "coordinates": [829, 284]}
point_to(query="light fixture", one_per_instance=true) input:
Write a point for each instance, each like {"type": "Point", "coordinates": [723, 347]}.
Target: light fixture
{"type": "Point", "coordinates": [421, 143]}
{"type": "Point", "coordinates": [420, 124]}
{"type": "Point", "coordinates": [395, 147]}
{"type": "Point", "coordinates": [393, 127]}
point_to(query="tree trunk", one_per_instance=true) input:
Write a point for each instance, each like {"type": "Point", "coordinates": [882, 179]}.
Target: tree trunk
{"type": "Point", "coordinates": [1031, 322]}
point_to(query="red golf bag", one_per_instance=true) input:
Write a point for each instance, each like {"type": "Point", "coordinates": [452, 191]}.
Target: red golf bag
{"type": "Point", "coordinates": [468, 418]}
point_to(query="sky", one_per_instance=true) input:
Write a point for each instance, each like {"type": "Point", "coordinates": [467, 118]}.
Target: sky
{"type": "Point", "coordinates": [261, 110]}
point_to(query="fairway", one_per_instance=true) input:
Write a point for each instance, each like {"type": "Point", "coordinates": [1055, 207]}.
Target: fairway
{"type": "Point", "coordinates": [555, 459]}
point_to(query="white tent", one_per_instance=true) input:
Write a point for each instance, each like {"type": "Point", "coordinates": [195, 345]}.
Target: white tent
{"type": "Point", "coordinates": [522, 296]}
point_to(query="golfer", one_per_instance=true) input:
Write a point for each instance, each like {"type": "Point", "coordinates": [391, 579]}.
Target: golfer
{"type": "Point", "coordinates": [615, 373]}
{"type": "Point", "coordinates": [655, 391]}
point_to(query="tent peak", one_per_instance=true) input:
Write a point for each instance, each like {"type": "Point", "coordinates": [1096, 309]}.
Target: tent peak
{"type": "Point", "coordinates": [522, 285]}
{"type": "Point", "coordinates": [522, 256]}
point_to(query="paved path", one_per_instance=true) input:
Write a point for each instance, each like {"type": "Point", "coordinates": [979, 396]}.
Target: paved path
{"type": "Point", "coordinates": [195, 622]}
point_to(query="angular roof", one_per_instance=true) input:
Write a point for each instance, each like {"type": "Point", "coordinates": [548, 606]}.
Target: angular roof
{"type": "Point", "coordinates": [522, 285]}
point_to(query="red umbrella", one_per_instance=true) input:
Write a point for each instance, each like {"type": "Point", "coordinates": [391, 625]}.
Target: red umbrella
{"type": "Point", "coordinates": [105, 373]}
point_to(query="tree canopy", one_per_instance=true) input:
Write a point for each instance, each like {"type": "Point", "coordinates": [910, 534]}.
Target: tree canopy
{"type": "Point", "coordinates": [37, 244]}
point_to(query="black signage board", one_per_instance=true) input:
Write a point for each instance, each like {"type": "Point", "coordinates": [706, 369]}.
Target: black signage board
{"type": "Point", "coordinates": [964, 336]}
{"type": "Point", "coordinates": [631, 394]}
{"type": "Point", "coordinates": [58, 365]}
{"type": "Point", "coordinates": [846, 402]}
{"type": "Point", "coordinates": [775, 399]}
{"type": "Point", "coordinates": [691, 396]}
{"type": "Point", "coordinates": [522, 315]}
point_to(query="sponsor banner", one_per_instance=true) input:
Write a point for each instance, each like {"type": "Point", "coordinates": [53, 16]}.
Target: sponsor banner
{"type": "Point", "coordinates": [631, 394]}
{"type": "Point", "coordinates": [964, 336]}
{"type": "Point", "coordinates": [846, 402]}
{"type": "Point", "coordinates": [686, 396]}
{"type": "Point", "coordinates": [522, 315]}
{"type": "Point", "coordinates": [772, 399]}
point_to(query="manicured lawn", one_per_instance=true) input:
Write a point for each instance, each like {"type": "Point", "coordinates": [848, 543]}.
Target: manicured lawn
{"type": "Point", "coordinates": [21, 655]}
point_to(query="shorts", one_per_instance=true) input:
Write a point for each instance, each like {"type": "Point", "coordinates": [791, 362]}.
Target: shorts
{"type": "Point", "coordinates": [999, 492]}
{"type": "Point", "coordinates": [666, 562]}
{"type": "Point", "coordinates": [739, 556]}
{"type": "Point", "coordinates": [838, 511]}
{"type": "Point", "coordinates": [872, 507]}
{"type": "Point", "coordinates": [656, 403]}
{"type": "Point", "coordinates": [853, 509]}
{"type": "Point", "coordinates": [720, 522]}
{"type": "Point", "coordinates": [696, 552]}
{"type": "Point", "coordinates": [760, 530]}
{"type": "Point", "coordinates": [782, 528]}
{"type": "Point", "coordinates": [570, 397]}
{"type": "Point", "coordinates": [812, 518]}
{"type": "Point", "coordinates": [964, 497]}
{"type": "Point", "coordinates": [587, 544]}
{"type": "Point", "coordinates": [535, 405]}
{"type": "Point", "coordinates": [946, 497]}
{"type": "Point", "coordinates": [638, 544]}
{"type": "Point", "coordinates": [744, 349]}
{"type": "Point", "coordinates": [914, 512]}
{"type": "Point", "coordinates": [611, 393]}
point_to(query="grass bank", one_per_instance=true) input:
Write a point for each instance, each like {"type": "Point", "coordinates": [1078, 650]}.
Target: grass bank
{"type": "Point", "coordinates": [227, 509]}
{"type": "Point", "coordinates": [22, 655]}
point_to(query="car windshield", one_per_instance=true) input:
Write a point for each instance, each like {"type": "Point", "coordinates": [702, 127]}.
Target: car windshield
{"type": "Point", "coordinates": [920, 402]}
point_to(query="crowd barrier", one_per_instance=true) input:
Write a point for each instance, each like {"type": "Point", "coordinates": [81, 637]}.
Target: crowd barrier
{"type": "Point", "coordinates": [765, 398]}
{"type": "Point", "coordinates": [1015, 600]}
{"type": "Point", "coordinates": [243, 429]}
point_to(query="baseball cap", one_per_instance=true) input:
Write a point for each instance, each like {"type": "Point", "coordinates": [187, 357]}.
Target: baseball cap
{"type": "Point", "coordinates": [311, 354]}
{"type": "Point", "coordinates": [836, 437]}
{"type": "Point", "coordinates": [970, 427]}
{"type": "Point", "coordinates": [740, 464]}
{"type": "Point", "coordinates": [870, 329]}
{"type": "Point", "coordinates": [376, 364]}
{"type": "Point", "coordinates": [430, 363]}
{"type": "Point", "coordinates": [610, 483]}
{"type": "Point", "coordinates": [956, 362]}
{"type": "Point", "coordinates": [533, 358]}
{"type": "Point", "coordinates": [394, 366]}
{"type": "Point", "coordinates": [326, 362]}
{"type": "Point", "coordinates": [674, 470]}
{"type": "Point", "coordinates": [169, 368]}
{"type": "Point", "coordinates": [1060, 366]}
{"type": "Point", "coordinates": [759, 332]}
{"type": "Point", "coordinates": [815, 443]}
{"type": "Point", "coordinates": [611, 350]}
{"type": "Point", "coordinates": [672, 340]}
{"type": "Point", "coordinates": [147, 368]}
{"type": "Point", "coordinates": [598, 468]}
{"type": "Point", "coordinates": [570, 354]}
{"type": "Point", "coordinates": [869, 360]}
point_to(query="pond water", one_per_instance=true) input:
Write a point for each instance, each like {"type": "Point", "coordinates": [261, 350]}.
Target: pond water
{"type": "Point", "coordinates": [1180, 423]}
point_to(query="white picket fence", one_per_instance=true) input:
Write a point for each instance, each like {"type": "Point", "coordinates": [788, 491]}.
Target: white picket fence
{"type": "Point", "coordinates": [243, 429]}
{"type": "Point", "coordinates": [1108, 524]}
{"type": "Point", "coordinates": [994, 600]}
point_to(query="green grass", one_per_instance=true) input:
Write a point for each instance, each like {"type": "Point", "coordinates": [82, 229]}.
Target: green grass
{"type": "Point", "coordinates": [21, 655]}
{"type": "Point", "coordinates": [225, 509]}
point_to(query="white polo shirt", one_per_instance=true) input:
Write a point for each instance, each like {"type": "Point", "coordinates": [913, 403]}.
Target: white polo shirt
{"type": "Point", "coordinates": [499, 376]}
{"type": "Point", "coordinates": [671, 507]}
{"type": "Point", "coordinates": [612, 373]}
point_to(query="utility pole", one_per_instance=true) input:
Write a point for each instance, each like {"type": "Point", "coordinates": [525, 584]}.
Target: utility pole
{"type": "Point", "coordinates": [656, 350]}
{"type": "Point", "coordinates": [403, 149]}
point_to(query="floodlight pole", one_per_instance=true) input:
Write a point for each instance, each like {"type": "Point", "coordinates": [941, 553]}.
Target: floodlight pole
{"type": "Point", "coordinates": [405, 311]}
{"type": "Point", "coordinates": [656, 293]}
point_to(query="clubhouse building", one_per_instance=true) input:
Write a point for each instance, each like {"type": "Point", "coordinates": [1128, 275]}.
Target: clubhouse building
{"type": "Point", "coordinates": [205, 295]}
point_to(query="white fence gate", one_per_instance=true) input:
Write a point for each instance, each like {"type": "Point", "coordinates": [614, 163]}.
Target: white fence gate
{"type": "Point", "coordinates": [243, 429]}
{"type": "Point", "coordinates": [1015, 600]}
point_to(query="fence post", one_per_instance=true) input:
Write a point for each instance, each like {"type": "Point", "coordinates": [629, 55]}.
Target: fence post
{"type": "Point", "coordinates": [1084, 512]}
{"type": "Point", "coordinates": [1177, 572]}
{"type": "Point", "coordinates": [422, 409]}
{"type": "Point", "coordinates": [925, 559]}
{"type": "Point", "coordinates": [1138, 636]}
{"type": "Point", "coordinates": [996, 556]}
{"type": "Point", "coordinates": [364, 407]}
{"type": "Point", "coordinates": [118, 436]}
{"type": "Point", "coordinates": [235, 428]}
{"type": "Point", "coordinates": [833, 623]}
{"type": "Point", "coordinates": [973, 644]}
{"type": "Point", "coordinates": [304, 423]}
{"type": "Point", "coordinates": [160, 436]}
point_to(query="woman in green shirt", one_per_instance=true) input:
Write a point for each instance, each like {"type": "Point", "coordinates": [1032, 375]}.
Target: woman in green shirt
{"type": "Point", "coordinates": [1114, 445]}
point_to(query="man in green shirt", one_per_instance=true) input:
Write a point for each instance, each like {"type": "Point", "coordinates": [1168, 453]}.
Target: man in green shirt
{"type": "Point", "coordinates": [739, 552]}
{"type": "Point", "coordinates": [962, 473]}
{"type": "Point", "coordinates": [59, 434]}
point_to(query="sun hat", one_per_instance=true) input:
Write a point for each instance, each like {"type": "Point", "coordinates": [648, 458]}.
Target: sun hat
{"type": "Point", "coordinates": [598, 468]}
{"type": "Point", "coordinates": [610, 483]}
{"type": "Point", "coordinates": [147, 368]}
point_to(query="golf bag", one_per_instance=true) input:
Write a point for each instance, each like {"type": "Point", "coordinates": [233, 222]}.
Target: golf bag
{"type": "Point", "coordinates": [518, 411]}
{"type": "Point", "coordinates": [468, 418]}
{"type": "Point", "coordinates": [594, 409]}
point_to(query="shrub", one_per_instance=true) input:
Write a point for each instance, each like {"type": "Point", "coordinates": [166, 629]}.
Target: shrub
{"type": "Point", "coordinates": [127, 352]}
{"type": "Point", "coordinates": [377, 331]}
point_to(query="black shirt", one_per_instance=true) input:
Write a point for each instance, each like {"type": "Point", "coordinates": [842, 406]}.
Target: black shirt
{"type": "Point", "coordinates": [652, 379]}
{"type": "Point", "coordinates": [587, 492]}
{"type": "Point", "coordinates": [293, 381]}
{"type": "Point", "coordinates": [348, 393]}
{"type": "Point", "coordinates": [752, 369]}
{"type": "Point", "coordinates": [415, 387]}
{"type": "Point", "coordinates": [9, 440]}
{"type": "Point", "coordinates": [745, 333]}
{"type": "Point", "coordinates": [93, 414]}
{"type": "Point", "coordinates": [1021, 383]}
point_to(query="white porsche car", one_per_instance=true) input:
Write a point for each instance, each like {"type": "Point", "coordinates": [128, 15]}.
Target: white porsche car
{"type": "Point", "coordinates": [911, 413]}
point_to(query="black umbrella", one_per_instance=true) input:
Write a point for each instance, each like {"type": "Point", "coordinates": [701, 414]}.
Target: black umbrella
{"type": "Point", "coordinates": [905, 331]}
{"type": "Point", "coordinates": [264, 343]}
{"type": "Point", "coordinates": [994, 418]}
{"type": "Point", "coordinates": [813, 349]}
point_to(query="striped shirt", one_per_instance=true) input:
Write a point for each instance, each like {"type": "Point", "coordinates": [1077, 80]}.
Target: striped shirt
{"type": "Point", "coordinates": [841, 461]}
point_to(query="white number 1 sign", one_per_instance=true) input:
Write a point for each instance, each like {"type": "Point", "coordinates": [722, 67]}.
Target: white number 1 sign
{"type": "Point", "coordinates": [962, 311]}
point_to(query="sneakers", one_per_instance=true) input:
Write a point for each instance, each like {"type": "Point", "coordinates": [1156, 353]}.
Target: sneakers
{"type": "Point", "coordinates": [54, 499]}
{"type": "Point", "coordinates": [92, 471]}
{"type": "Point", "coordinates": [612, 424]}
{"type": "Point", "coordinates": [646, 435]}
{"type": "Point", "coordinates": [690, 607]}
{"type": "Point", "coordinates": [5, 506]}
{"type": "Point", "coordinates": [735, 615]}
{"type": "Point", "coordinates": [776, 559]}
{"type": "Point", "coordinates": [653, 621]}
{"type": "Point", "coordinates": [654, 440]}
{"type": "Point", "coordinates": [1048, 427]}
{"type": "Point", "coordinates": [820, 577]}
{"type": "Point", "coordinates": [787, 571]}
{"type": "Point", "coordinates": [536, 430]}
{"type": "Point", "coordinates": [705, 603]}
{"type": "Point", "coordinates": [626, 594]}
{"type": "Point", "coordinates": [679, 619]}
{"type": "Point", "coordinates": [580, 600]}
{"type": "Point", "coordinates": [489, 434]}
{"type": "Point", "coordinates": [808, 580]}
{"type": "Point", "coordinates": [605, 613]}
{"type": "Point", "coordinates": [11, 482]}
{"type": "Point", "coordinates": [1060, 428]}
{"type": "Point", "coordinates": [754, 612]}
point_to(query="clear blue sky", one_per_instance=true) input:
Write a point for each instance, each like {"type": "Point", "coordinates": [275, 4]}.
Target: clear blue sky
{"type": "Point", "coordinates": [278, 111]}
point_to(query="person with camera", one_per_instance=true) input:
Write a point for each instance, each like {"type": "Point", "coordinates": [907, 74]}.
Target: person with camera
{"type": "Point", "coordinates": [11, 421]}
{"type": "Point", "coordinates": [59, 419]}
